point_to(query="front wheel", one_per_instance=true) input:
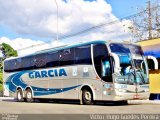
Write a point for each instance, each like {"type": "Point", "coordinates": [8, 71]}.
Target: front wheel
{"type": "Point", "coordinates": [29, 96]}
{"type": "Point", "coordinates": [87, 97]}
{"type": "Point", "coordinates": [19, 95]}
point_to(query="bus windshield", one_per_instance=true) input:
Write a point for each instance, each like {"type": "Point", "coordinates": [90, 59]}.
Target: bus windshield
{"type": "Point", "coordinates": [132, 63]}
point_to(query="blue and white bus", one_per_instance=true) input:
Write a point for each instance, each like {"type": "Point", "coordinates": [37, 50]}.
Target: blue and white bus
{"type": "Point", "coordinates": [88, 72]}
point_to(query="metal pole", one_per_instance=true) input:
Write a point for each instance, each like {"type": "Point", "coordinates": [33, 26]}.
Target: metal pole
{"type": "Point", "coordinates": [149, 20]}
{"type": "Point", "coordinates": [57, 19]}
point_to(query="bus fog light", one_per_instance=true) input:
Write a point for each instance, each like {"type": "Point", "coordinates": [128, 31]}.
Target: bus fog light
{"type": "Point", "coordinates": [146, 90]}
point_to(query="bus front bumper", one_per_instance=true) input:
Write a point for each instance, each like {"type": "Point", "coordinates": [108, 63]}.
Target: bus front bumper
{"type": "Point", "coordinates": [131, 96]}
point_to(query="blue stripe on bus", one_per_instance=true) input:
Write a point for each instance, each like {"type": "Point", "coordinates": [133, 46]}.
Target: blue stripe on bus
{"type": "Point", "coordinates": [15, 80]}
{"type": "Point", "coordinates": [44, 91]}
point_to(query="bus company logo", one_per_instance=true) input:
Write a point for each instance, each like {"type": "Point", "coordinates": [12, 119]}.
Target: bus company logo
{"type": "Point", "coordinates": [47, 73]}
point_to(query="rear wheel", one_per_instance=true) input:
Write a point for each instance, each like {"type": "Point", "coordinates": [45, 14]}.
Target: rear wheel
{"type": "Point", "coordinates": [87, 97]}
{"type": "Point", "coordinates": [19, 95]}
{"type": "Point", "coordinates": [29, 96]}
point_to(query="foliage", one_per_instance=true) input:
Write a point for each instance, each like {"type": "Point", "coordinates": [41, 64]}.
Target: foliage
{"type": "Point", "coordinates": [145, 24]}
{"type": "Point", "coordinates": [9, 51]}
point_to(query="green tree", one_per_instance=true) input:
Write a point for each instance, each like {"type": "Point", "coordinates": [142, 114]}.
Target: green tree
{"type": "Point", "coordinates": [9, 52]}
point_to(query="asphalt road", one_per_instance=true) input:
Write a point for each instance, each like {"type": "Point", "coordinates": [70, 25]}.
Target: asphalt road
{"type": "Point", "coordinates": [12, 107]}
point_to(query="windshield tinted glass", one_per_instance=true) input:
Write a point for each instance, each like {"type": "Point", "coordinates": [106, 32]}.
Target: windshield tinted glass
{"type": "Point", "coordinates": [141, 71]}
{"type": "Point", "coordinates": [126, 48]}
{"type": "Point", "coordinates": [125, 63]}
{"type": "Point", "coordinates": [132, 63]}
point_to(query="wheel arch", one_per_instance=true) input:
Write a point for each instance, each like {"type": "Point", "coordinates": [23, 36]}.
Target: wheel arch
{"type": "Point", "coordinates": [19, 87]}
{"type": "Point", "coordinates": [29, 87]}
{"type": "Point", "coordinates": [88, 87]}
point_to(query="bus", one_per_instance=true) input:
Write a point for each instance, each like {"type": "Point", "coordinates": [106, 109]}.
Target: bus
{"type": "Point", "coordinates": [88, 72]}
{"type": "Point", "coordinates": [152, 47]}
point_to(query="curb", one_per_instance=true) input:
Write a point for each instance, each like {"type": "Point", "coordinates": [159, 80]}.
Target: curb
{"type": "Point", "coordinates": [129, 101]}
{"type": "Point", "coordinates": [6, 98]}
{"type": "Point", "coordinates": [143, 101]}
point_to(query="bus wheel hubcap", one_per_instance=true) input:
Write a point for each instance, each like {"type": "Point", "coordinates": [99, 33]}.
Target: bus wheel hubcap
{"type": "Point", "coordinates": [29, 95]}
{"type": "Point", "coordinates": [88, 96]}
{"type": "Point", "coordinates": [19, 96]}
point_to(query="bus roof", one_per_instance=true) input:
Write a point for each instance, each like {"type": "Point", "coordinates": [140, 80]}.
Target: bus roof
{"type": "Point", "coordinates": [70, 46]}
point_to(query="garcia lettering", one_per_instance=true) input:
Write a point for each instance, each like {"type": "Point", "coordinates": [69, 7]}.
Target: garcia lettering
{"type": "Point", "coordinates": [47, 73]}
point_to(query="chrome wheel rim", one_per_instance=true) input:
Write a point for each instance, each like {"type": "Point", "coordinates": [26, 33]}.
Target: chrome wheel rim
{"type": "Point", "coordinates": [88, 96]}
{"type": "Point", "coordinates": [19, 96]}
{"type": "Point", "coordinates": [29, 95]}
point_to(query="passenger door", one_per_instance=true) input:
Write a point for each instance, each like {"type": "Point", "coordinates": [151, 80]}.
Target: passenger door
{"type": "Point", "coordinates": [107, 71]}
{"type": "Point", "coordinates": [102, 63]}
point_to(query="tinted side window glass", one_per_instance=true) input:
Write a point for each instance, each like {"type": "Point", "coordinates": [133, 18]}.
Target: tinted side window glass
{"type": "Point", "coordinates": [83, 55]}
{"type": "Point", "coordinates": [66, 57]}
{"type": "Point", "coordinates": [28, 62]}
{"type": "Point", "coordinates": [40, 61]}
{"type": "Point", "coordinates": [18, 64]}
{"type": "Point", "coordinates": [99, 52]}
{"type": "Point", "coordinates": [52, 59]}
{"type": "Point", "coordinates": [11, 65]}
{"type": "Point", "coordinates": [8, 66]}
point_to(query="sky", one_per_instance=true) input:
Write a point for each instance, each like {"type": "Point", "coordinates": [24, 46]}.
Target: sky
{"type": "Point", "coordinates": [25, 23]}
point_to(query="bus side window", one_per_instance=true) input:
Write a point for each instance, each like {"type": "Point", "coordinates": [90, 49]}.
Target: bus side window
{"type": "Point", "coordinates": [66, 57]}
{"type": "Point", "coordinates": [28, 63]}
{"type": "Point", "coordinates": [13, 65]}
{"type": "Point", "coordinates": [19, 64]}
{"type": "Point", "coordinates": [52, 59]}
{"type": "Point", "coordinates": [83, 55]}
{"type": "Point", "coordinates": [40, 61]}
{"type": "Point", "coordinates": [8, 66]}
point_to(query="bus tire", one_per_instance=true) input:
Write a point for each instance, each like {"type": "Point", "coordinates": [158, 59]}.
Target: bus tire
{"type": "Point", "coordinates": [29, 96]}
{"type": "Point", "coordinates": [19, 96]}
{"type": "Point", "coordinates": [87, 97]}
